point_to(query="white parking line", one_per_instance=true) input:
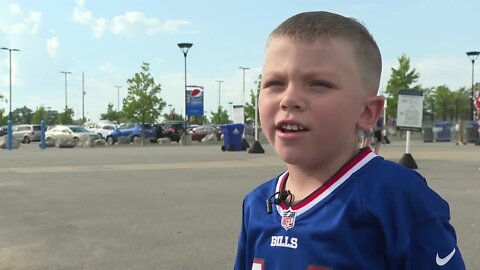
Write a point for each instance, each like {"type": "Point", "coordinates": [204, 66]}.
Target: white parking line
{"type": "Point", "coordinates": [260, 162]}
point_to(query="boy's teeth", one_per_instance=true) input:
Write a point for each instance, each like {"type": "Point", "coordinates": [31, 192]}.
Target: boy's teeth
{"type": "Point", "coordinates": [292, 127]}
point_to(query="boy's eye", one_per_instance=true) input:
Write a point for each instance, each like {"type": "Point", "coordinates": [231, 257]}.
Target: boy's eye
{"type": "Point", "coordinates": [321, 83]}
{"type": "Point", "coordinates": [273, 83]}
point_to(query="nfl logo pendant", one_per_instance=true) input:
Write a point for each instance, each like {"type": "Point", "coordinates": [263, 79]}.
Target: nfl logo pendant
{"type": "Point", "coordinates": [288, 219]}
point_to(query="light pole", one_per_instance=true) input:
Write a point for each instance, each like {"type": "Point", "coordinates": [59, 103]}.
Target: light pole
{"type": "Point", "coordinates": [10, 95]}
{"type": "Point", "coordinates": [83, 97]}
{"type": "Point", "coordinates": [66, 73]}
{"type": "Point", "coordinates": [472, 55]}
{"type": "Point", "coordinates": [256, 148]}
{"type": "Point", "coordinates": [170, 111]}
{"type": "Point", "coordinates": [118, 103]}
{"type": "Point", "coordinates": [231, 109]}
{"type": "Point", "coordinates": [243, 93]}
{"type": "Point", "coordinates": [185, 47]}
{"type": "Point", "coordinates": [219, 88]}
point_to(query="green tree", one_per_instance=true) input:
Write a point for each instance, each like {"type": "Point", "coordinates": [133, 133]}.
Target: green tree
{"type": "Point", "coordinates": [172, 116]}
{"type": "Point", "coordinates": [112, 114]}
{"type": "Point", "coordinates": [198, 119]}
{"type": "Point", "coordinates": [250, 107]}
{"type": "Point", "coordinates": [51, 117]}
{"type": "Point", "coordinates": [403, 78]}
{"type": "Point", "coordinates": [143, 103]}
{"type": "Point", "coordinates": [428, 103]}
{"type": "Point", "coordinates": [66, 118]}
{"type": "Point", "coordinates": [444, 105]}
{"type": "Point", "coordinates": [39, 114]}
{"type": "Point", "coordinates": [220, 117]}
{"type": "Point", "coordinates": [203, 120]}
{"type": "Point", "coordinates": [22, 115]}
{"type": "Point", "coordinates": [462, 103]}
{"type": "Point", "coordinates": [3, 118]}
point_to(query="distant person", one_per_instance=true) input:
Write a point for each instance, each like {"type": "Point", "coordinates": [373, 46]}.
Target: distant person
{"type": "Point", "coordinates": [477, 104]}
{"type": "Point", "coordinates": [366, 138]}
{"type": "Point", "coordinates": [478, 128]}
{"type": "Point", "coordinates": [386, 140]}
{"type": "Point", "coordinates": [378, 135]}
{"type": "Point", "coordinates": [459, 132]}
{"type": "Point", "coordinates": [335, 207]}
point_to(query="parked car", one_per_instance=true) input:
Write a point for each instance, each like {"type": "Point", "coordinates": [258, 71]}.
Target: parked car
{"type": "Point", "coordinates": [27, 133]}
{"type": "Point", "coordinates": [160, 129]}
{"type": "Point", "coordinates": [198, 133]}
{"type": "Point", "coordinates": [102, 128]}
{"type": "Point", "coordinates": [3, 131]}
{"type": "Point", "coordinates": [191, 127]}
{"type": "Point", "coordinates": [132, 131]}
{"type": "Point", "coordinates": [72, 132]}
{"type": "Point", "coordinates": [249, 130]}
{"type": "Point", "coordinates": [173, 130]}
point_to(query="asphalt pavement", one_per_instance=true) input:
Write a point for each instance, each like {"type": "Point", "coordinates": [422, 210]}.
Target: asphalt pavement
{"type": "Point", "coordinates": [171, 206]}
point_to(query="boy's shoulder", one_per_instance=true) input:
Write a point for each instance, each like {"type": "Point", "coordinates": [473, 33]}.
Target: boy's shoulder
{"type": "Point", "coordinates": [384, 173]}
{"type": "Point", "coordinates": [404, 189]}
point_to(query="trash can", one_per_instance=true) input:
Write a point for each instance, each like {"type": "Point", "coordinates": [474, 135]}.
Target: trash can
{"type": "Point", "coordinates": [427, 134]}
{"type": "Point", "coordinates": [471, 131]}
{"type": "Point", "coordinates": [445, 131]}
{"type": "Point", "coordinates": [232, 137]}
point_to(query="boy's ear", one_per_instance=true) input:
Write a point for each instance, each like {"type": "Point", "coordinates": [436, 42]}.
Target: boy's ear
{"type": "Point", "coordinates": [371, 111]}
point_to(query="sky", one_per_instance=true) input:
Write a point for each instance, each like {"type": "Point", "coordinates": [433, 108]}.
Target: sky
{"type": "Point", "coordinates": [107, 41]}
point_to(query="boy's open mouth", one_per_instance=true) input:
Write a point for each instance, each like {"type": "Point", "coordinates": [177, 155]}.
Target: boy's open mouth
{"type": "Point", "coordinates": [292, 128]}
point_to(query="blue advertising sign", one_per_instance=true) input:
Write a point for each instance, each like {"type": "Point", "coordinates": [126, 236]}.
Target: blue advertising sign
{"type": "Point", "coordinates": [194, 100]}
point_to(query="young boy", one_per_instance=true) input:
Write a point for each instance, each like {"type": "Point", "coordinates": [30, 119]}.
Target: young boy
{"type": "Point", "coordinates": [336, 207]}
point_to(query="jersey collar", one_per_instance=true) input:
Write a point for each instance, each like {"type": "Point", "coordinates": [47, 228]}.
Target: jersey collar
{"type": "Point", "coordinates": [353, 165]}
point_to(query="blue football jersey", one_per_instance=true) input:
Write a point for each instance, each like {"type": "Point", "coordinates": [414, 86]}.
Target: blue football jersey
{"type": "Point", "coordinates": [372, 214]}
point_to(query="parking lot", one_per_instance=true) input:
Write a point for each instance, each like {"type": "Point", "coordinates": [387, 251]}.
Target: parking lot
{"type": "Point", "coordinates": [167, 206]}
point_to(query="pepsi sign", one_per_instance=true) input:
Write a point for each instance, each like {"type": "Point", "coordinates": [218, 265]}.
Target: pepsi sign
{"type": "Point", "coordinates": [195, 100]}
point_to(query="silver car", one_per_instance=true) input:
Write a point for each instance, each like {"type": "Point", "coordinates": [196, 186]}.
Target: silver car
{"type": "Point", "coordinates": [71, 132]}
{"type": "Point", "coordinates": [27, 133]}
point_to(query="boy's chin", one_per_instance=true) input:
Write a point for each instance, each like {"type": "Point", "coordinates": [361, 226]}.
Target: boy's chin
{"type": "Point", "coordinates": [293, 157]}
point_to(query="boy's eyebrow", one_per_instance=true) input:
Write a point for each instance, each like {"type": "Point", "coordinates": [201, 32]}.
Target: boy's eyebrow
{"type": "Point", "coordinates": [316, 73]}
{"type": "Point", "coordinates": [310, 74]}
{"type": "Point", "coordinates": [271, 74]}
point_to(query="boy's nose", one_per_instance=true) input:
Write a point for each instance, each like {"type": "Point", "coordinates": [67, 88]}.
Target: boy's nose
{"type": "Point", "coordinates": [292, 100]}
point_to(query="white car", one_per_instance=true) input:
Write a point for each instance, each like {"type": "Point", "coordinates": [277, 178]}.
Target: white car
{"type": "Point", "coordinates": [76, 133]}
{"type": "Point", "coordinates": [102, 128]}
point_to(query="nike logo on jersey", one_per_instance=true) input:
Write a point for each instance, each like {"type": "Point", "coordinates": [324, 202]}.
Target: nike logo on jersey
{"type": "Point", "coordinates": [443, 261]}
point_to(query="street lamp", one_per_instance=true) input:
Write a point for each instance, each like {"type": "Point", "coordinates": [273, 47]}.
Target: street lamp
{"type": "Point", "coordinates": [10, 96]}
{"type": "Point", "coordinates": [231, 109]}
{"type": "Point", "coordinates": [472, 55]}
{"type": "Point", "coordinates": [219, 83]}
{"type": "Point", "coordinates": [118, 103]}
{"type": "Point", "coordinates": [185, 47]}
{"type": "Point", "coordinates": [83, 97]}
{"type": "Point", "coordinates": [66, 73]}
{"type": "Point", "coordinates": [243, 93]}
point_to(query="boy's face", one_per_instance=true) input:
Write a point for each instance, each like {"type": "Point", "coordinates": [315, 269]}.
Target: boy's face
{"type": "Point", "coordinates": [311, 100]}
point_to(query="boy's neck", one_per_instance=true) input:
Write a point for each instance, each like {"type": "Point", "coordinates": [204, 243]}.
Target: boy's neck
{"type": "Point", "coordinates": [302, 181]}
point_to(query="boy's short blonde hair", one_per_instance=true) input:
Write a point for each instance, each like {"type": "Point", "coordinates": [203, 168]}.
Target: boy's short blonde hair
{"type": "Point", "coordinates": [311, 26]}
